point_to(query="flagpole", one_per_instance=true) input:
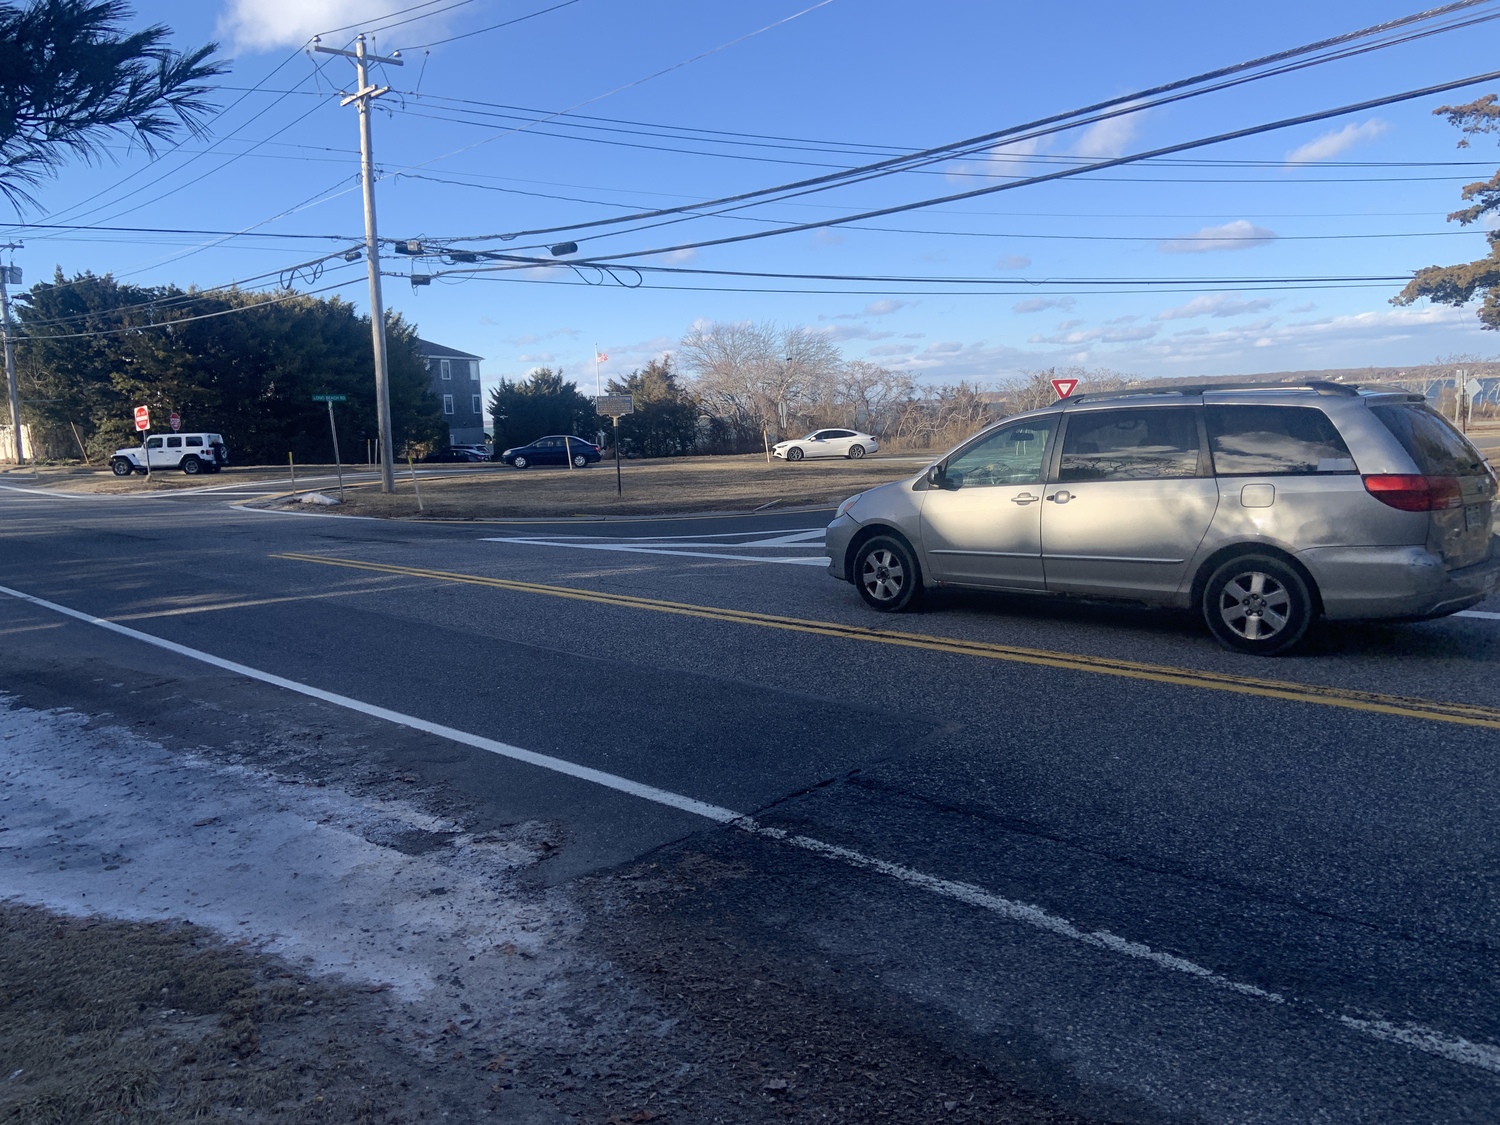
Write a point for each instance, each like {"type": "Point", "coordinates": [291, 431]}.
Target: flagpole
{"type": "Point", "coordinates": [597, 391]}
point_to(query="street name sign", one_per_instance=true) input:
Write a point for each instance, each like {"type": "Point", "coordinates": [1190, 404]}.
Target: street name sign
{"type": "Point", "coordinates": [330, 398]}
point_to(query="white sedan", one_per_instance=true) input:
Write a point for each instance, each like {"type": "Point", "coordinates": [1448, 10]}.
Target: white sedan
{"type": "Point", "coordinates": [827, 443]}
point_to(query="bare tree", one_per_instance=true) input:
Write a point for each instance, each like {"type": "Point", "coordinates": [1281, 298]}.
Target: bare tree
{"type": "Point", "coordinates": [748, 373]}
{"type": "Point", "coordinates": [872, 396]}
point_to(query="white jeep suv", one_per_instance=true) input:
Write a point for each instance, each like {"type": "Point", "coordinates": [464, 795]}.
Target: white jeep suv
{"type": "Point", "coordinates": [192, 453]}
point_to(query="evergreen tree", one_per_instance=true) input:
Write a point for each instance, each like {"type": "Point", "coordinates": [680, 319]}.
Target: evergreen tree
{"type": "Point", "coordinates": [665, 422]}
{"type": "Point", "coordinates": [242, 364]}
{"type": "Point", "coordinates": [541, 404]}
{"type": "Point", "coordinates": [71, 78]}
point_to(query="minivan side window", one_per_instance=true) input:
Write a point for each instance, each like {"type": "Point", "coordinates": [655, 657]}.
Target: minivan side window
{"type": "Point", "coordinates": [1155, 443]}
{"type": "Point", "coordinates": [1257, 441]}
{"type": "Point", "coordinates": [1012, 454]}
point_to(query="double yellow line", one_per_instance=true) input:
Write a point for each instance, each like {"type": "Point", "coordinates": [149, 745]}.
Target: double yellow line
{"type": "Point", "coordinates": [1463, 714]}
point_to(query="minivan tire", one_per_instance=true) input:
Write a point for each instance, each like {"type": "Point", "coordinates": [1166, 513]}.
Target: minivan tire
{"type": "Point", "coordinates": [121, 467]}
{"type": "Point", "coordinates": [886, 574]}
{"type": "Point", "coordinates": [1257, 604]}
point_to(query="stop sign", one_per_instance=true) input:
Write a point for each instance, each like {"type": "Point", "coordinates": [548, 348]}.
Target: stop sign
{"type": "Point", "coordinates": [143, 418]}
{"type": "Point", "coordinates": [176, 421]}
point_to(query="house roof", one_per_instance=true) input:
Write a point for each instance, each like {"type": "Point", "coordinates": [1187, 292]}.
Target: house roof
{"type": "Point", "coordinates": [442, 351]}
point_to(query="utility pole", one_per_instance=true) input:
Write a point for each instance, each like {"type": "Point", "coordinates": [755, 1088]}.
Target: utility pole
{"type": "Point", "coordinates": [362, 97]}
{"type": "Point", "coordinates": [7, 274]}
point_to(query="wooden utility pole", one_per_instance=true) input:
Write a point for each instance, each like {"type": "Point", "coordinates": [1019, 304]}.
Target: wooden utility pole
{"type": "Point", "coordinates": [362, 98]}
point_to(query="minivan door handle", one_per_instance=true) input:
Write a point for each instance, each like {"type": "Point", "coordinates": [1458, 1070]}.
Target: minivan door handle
{"type": "Point", "coordinates": [1024, 498]}
{"type": "Point", "coordinates": [1061, 496]}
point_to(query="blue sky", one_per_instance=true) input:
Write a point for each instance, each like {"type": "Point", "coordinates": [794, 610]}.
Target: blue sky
{"type": "Point", "coordinates": [839, 85]}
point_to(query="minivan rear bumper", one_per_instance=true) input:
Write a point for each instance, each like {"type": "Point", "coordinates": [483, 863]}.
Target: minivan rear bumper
{"type": "Point", "coordinates": [1362, 583]}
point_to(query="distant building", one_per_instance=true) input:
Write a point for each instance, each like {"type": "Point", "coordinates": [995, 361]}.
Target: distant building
{"type": "Point", "coordinates": [455, 383]}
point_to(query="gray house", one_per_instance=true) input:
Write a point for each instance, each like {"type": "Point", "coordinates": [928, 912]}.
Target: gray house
{"type": "Point", "coordinates": [455, 383]}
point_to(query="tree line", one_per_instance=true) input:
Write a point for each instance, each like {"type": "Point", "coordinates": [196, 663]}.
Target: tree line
{"type": "Point", "coordinates": [737, 388]}
{"type": "Point", "coordinates": [90, 349]}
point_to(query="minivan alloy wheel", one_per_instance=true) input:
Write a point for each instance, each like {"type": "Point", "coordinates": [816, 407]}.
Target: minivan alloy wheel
{"type": "Point", "coordinates": [1257, 604]}
{"type": "Point", "coordinates": [1254, 605]}
{"type": "Point", "coordinates": [886, 574]}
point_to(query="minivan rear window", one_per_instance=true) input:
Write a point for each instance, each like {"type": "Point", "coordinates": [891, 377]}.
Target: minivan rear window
{"type": "Point", "coordinates": [1260, 441]}
{"type": "Point", "coordinates": [1438, 449]}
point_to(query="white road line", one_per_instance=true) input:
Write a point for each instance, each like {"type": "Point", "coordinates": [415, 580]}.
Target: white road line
{"type": "Point", "coordinates": [1454, 1048]}
{"type": "Point", "coordinates": [1479, 613]}
{"type": "Point", "coordinates": [575, 546]}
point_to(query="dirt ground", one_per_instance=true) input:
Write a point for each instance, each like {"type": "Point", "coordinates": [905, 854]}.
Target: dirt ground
{"type": "Point", "coordinates": [678, 484]}
{"type": "Point", "coordinates": [286, 930]}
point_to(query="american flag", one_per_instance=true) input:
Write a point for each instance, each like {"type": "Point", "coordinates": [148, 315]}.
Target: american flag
{"type": "Point", "coordinates": [600, 356]}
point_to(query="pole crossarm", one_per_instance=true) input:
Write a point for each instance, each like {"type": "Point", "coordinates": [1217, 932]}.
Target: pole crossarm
{"type": "Point", "coordinates": [394, 60]}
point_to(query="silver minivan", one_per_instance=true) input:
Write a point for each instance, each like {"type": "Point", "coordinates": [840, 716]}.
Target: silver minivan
{"type": "Point", "coordinates": [1262, 506]}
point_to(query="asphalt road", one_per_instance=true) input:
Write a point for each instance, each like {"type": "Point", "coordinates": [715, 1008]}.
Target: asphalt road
{"type": "Point", "coordinates": [1150, 879]}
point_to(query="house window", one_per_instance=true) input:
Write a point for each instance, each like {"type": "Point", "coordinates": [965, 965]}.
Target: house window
{"type": "Point", "coordinates": [447, 404]}
{"type": "Point", "coordinates": [474, 370]}
{"type": "Point", "coordinates": [478, 406]}
{"type": "Point", "coordinates": [446, 369]}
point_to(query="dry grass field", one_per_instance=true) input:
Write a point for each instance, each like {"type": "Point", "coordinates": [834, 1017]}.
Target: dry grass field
{"type": "Point", "coordinates": [685, 484]}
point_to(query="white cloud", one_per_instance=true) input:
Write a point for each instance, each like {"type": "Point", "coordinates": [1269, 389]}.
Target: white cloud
{"type": "Point", "coordinates": [1065, 325]}
{"type": "Point", "coordinates": [1041, 304]}
{"type": "Point", "coordinates": [1012, 159]}
{"type": "Point", "coordinates": [892, 350]}
{"type": "Point", "coordinates": [1338, 141]}
{"type": "Point", "coordinates": [839, 333]}
{"type": "Point", "coordinates": [266, 25]}
{"type": "Point", "coordinates": [1013, 262]}
{"type": "Point", "coordinates": [1238, 235]}
{"type": "Point", "coordinates": [885, 307]}
{"type": "Point", "coordinates": [1214, 304]}
{"type": "Point", "coordinates": [1098, 336]}
{"type": "Point", "coordinates": [827, 236]}
{"type": "Point", "coordinates": [1304, 308]}
{"type": "Point", "coordinates": [1109, 138]}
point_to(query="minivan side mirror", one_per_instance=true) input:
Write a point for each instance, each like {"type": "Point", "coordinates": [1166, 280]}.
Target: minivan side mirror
{"type": "Point", "coordinates": [937, 477]}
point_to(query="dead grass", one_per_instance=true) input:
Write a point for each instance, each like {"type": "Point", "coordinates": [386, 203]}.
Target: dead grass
{"type": "Point", "coordinates": [687, 484]}
{"type": "Point", "coordinates": [105, 1022]}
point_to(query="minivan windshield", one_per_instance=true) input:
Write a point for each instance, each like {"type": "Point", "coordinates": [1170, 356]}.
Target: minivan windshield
{"type": "Point", "coordinates": [1436, 447]}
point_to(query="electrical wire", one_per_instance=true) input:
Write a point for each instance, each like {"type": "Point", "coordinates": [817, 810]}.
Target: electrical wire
{"type": "Point", "coordinates": [1235, 134]}
{"type": "Point", "coordinates": [481, 30]}
{"type": "Point", "coordinates": [1225, 77]}
{"type": "Point", "coordinates": [277, 300]}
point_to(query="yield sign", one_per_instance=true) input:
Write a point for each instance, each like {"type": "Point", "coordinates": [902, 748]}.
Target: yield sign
{"type": "Point", "coordinates": [1064, 387]}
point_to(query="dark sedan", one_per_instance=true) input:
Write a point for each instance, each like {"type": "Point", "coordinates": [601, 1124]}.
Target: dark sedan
{"type": "Point", "coordinates": [555, 450]}
{"type": "Point", "coordinates": [452, 456]}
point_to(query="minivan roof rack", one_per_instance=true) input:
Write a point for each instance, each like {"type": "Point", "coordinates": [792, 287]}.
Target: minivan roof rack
{"type": "Point", "coordinates": [1322, 386]}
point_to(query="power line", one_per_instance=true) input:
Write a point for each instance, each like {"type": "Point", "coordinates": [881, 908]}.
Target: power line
{"type": "Point", "coordinates": [477, 31]}
{"type": "Point", "coordinates": [1225, 77]}
{"type": "Point", "coordinates": [1235, 134]}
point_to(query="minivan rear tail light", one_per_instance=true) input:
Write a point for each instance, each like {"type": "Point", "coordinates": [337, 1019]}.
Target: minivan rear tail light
{"type": "Point", "coordinates": [1415, 493]}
